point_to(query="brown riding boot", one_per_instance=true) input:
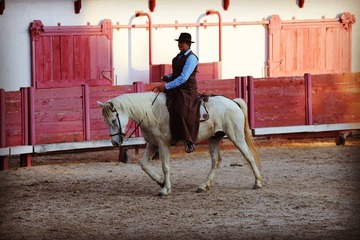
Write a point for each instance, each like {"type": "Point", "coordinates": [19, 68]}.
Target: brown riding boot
{"type": "Point", "coordinates": [189, 147]}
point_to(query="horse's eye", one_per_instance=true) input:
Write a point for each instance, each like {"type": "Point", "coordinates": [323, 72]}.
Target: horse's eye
{"type": "Point", "coordinates": [113, 121]}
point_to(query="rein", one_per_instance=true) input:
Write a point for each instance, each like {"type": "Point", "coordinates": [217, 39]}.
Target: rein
{"type": "Point", "coordinates": [120, 133]}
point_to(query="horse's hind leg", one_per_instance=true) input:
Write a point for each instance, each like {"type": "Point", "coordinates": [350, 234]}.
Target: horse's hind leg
{"type": "Point", "coordinates": [150, 150]}
{"type": "Point", "coordinates": [214, 150]}
{"type": "Point", "coordinates": [240, 143]}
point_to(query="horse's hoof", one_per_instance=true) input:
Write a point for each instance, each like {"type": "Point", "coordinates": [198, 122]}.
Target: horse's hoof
{"type": "Point", "coordinates": [257, 187]}
{"type": "Point", "coordinates": [162, 194]}
{"type": "Point", "coordinates": [162, 185]}
{"type": "Point", "coordinates": [200, 190]}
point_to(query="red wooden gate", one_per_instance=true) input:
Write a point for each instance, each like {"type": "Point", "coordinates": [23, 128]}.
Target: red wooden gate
{"type": "Point", "coordinates": [64, 56]}
{"type": "Point", "coordinates": [320, 46]}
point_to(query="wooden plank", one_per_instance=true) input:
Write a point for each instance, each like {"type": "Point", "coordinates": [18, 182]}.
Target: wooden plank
{"type": "Point", "coordinates": [17, 150]}
{"type": "Point", "coordinates": [79, 68]}
{"type": "Point", "coordinates": [94, 53]}
{"type": "Point", "coordinates": [57, 93]}
{"type": "Point", "coordinates": [48, 61]}
{"type": "Point", "coordinates": [329, 48]}
{"type": "Point", "coordinates": [39, 61]}
{"type": "Point", "coordinates": [320, 54]}
{"type": "Point", "coordinates": [59, 137]}
{"type": "Point", "coordinates": [67, 58]}
{"type": "Point", "coordinates": [307, 128]}
{"type": "Point", "coordinates": [56, 47]}
{"type": "Point", "coordinates": [13, 118]}
{"type": "Point", "coordinates": [44, 148]}
{"type": "Point", "coordinates": [4, 151]}
{"type": "Point", "coordinates": [58, 104]}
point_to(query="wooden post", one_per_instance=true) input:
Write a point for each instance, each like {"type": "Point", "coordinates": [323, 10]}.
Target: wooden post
{"type": "Point", "coordinates": [86, 112]}
{"type": "Point", "coordinates": [238, 87]}
{"type": "Point", "coordinates": [32, 116]}
{"type": "Point", "coordinates": [4, 161]}
{"type": "Point", "coordinates": [251, 103]}
{"type": "Point", "coordinates": [308, 99]}
{"type": "Point", "coordinates": [138, 88]}
{"type": "Point", "coordinates": [241, 88]}
{"type": "Point", "coordinates": [25, 159]}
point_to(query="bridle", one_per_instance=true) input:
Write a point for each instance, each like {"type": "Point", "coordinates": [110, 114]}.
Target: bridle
{"type": "Point", "coordinates": [120, 133]}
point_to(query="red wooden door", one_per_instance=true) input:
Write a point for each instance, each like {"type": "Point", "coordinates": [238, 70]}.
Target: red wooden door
{"type": "Point", "coordinates": [66, 56]}
{"type": "Point", "coordinates": [319, 46]}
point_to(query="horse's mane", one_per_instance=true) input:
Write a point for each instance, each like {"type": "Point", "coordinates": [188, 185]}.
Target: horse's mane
{"type": "Point", "coordinates": [137, 106]}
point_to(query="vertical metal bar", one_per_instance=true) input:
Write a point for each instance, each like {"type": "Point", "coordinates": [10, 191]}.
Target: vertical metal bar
{"type": "Point", "coordinates": [308, 99]}
{"type": "Point", "coordinates": [86, 112]}
{"type": "Point", "coordinates": [251, 103]}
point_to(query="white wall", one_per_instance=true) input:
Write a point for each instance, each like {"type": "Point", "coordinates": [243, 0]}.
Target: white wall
{"type": "Point", "coordinates": [131, 46]}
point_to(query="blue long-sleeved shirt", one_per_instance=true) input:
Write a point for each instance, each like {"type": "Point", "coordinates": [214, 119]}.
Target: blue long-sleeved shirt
{"type": "Point", "coordinates": [190, 64]}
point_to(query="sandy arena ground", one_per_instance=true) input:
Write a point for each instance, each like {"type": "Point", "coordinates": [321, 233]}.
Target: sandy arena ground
{"type": "Point", "coordinates": [311, 191]}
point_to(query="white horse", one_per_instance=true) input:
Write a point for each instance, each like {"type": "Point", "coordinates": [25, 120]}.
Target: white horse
{"type": "Point", "coordinates": [227, 117]}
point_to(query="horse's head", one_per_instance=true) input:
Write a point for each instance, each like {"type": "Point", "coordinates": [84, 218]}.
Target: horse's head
{"type": "Point", "coordinates": [114, 122]}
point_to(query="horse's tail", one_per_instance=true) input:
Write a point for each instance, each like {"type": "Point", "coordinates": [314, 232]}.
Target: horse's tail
{"type": "Point", "coordinates": [248, 135]}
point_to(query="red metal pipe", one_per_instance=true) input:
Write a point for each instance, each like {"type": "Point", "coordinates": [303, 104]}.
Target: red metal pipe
{"type": "Point", "coordinates": [152, 5]}
{"type": "Point", "coordinates": [141, 14]}
{"type": "Point", "coordinates": [301, 3]}
{"type": "Point", "coordinates": [226, 4]}
{"type": "Point", "coordinates": [210, 12]}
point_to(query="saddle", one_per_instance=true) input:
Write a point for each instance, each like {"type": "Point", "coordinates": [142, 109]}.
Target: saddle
{"type": "Point", "coordinates": [204, 114]}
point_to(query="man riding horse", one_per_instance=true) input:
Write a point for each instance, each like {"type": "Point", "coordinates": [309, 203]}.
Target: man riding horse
{"type": "Point", "coordinates": [182, 95]}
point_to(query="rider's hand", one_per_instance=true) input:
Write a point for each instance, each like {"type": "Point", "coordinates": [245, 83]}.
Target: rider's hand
{"type": "Point", "coordinates": [165, 78]}
{"type": "Point", "coordinates": [159, 88]}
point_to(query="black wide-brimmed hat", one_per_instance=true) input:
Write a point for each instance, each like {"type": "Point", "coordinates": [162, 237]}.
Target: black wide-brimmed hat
{"type": "Point", "coordinates": [184, 37]}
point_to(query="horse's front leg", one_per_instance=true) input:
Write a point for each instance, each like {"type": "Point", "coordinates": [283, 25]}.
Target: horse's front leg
{"type": "Point", "coordinates": [214, 150]}
{"type": "Point", "coordinates": [164, 152]}
{"type": "Point", "coordinates": [150, 150]}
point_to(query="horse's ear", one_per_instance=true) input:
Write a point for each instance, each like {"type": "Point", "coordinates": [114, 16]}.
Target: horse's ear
{"type": "Point", "coordinates": [100, 104]}
{"type": "Point", "coordinates": [111, 105]}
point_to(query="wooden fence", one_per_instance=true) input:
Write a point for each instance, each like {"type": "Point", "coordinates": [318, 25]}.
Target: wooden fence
{"type": "Point", "coordinates": [32, 117]}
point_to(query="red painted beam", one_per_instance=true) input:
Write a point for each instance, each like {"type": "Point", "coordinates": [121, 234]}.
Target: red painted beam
{"type": "Point", "coordinates": [2, 6]}
{"type": "Point", "coordinates": [77, 6]}
{"type": "Point", "coordinates": [152, 5]}
{"type": "Point", "coordinates": [226, 4]}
